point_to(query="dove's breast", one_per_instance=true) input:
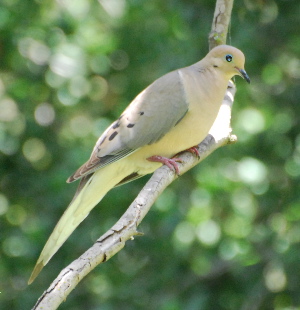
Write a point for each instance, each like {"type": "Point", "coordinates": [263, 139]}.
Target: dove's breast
{"type": "Point", "coordinates": [204, 104]}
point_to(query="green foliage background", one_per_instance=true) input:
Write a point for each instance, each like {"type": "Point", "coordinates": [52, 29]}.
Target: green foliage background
{"type": "Point", "coordinates": [225, 235]}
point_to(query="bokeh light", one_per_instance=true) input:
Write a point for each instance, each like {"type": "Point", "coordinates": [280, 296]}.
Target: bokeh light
{"type": "Point", "coordinates": [44, 114]}
{"type": "Point", "coordinates": [223, 236]}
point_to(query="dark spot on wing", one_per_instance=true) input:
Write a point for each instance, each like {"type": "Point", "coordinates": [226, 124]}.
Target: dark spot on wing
{"type": "Point", "coordinates": [142, 113]}
{"type": "Point", "coordinates": [112, 135]}
{"type": "Point", "coordinates": [130, 125]}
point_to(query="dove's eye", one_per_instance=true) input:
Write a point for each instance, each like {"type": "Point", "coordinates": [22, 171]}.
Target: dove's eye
{"type": "Point", "coordinates": [229, 58]}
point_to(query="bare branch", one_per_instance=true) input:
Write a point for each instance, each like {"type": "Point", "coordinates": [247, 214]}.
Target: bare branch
{"type": "Point", "coordinates": [220, 23]}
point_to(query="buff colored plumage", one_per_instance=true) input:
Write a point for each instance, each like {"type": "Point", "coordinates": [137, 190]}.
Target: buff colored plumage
{"type": "Point", "coordinates": [173, 114]}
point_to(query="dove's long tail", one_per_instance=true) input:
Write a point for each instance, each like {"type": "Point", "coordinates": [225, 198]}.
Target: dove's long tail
{"type": "Point", "coordinates": [90, 195]}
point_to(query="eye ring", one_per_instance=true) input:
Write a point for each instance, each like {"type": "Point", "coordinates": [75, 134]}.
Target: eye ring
{"type": "Point", "coordinates": [229, 58]}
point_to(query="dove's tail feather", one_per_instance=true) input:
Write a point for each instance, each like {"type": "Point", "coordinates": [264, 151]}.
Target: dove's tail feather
{"type": "Point", "coordinates": [84, 201]}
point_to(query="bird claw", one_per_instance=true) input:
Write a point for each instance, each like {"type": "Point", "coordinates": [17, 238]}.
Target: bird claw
{"type": "Point", "coordinates": [194, 150]}
{"type": "Point", "coordinates": [170, 162]}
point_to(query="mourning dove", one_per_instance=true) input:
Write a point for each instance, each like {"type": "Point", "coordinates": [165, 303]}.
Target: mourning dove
{"type": "Point", "coordinates": [171, 115]}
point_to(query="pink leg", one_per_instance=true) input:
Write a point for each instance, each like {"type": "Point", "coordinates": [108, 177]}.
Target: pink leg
{"type": "Point", "coordinates": [170, 162]}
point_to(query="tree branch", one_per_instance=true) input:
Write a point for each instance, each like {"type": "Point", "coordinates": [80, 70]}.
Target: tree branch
{"type": "Point", "coordinates": [220, 24]}
{"type": "Point", "coordinates": [126, 227]}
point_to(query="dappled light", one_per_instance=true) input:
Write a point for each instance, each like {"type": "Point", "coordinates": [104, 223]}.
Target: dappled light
{"type": "Point", "coordinates": [223, 236]}
{"type": "Point", "coordinates": [44, 114]}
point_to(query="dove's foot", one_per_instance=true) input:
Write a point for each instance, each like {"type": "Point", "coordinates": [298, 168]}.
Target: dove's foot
{"type": "Point", "coordinates": [170, 162]}
{"type": "Point", "coordinates": [193, 150]}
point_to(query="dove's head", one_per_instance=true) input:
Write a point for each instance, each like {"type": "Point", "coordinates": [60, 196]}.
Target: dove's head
{"type": "Point", "coordinates": [229, 60]}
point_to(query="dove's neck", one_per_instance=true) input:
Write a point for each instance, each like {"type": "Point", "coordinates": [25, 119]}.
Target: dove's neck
{"type": "Point", "coordinates": [210, 82]}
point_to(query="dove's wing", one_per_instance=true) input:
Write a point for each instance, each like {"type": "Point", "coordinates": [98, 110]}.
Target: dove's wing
{"type": "Point", "coordinates": [154, 112]}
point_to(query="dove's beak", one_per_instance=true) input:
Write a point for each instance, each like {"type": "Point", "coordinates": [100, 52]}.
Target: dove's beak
{"type": "Point", "coordinates": [243, 74]}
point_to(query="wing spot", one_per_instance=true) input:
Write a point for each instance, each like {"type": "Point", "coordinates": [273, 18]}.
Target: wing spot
{"type": "Point", "coordinates": [130, 125]}
{"type": "Point", "coordinates": [142, 113]}
{"type": "Point", "coordinates": [112, 135]}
